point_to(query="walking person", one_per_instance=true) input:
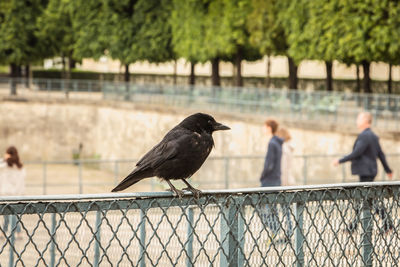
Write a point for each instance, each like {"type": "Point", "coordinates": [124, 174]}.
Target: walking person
{"type": "Point", "coordinates": [12, 183]}
{"type": "Point", "coordinates": [287, 178]}
{"type": "Point", "coordinates": [287, 157]}
{"type": "Point", "coordinates": [271, 174]}
{"type": "Point", "coordinates": [366, 150]}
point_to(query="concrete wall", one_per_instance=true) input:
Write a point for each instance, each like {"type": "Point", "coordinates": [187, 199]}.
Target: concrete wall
{"type": "Point", "coordinates": [52, 130]}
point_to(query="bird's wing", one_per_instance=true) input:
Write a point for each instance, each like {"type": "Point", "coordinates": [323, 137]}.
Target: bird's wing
{"type": "Point", "coordinates": [158, 154]}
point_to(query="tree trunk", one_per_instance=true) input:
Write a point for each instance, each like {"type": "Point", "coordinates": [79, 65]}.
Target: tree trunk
{"type": "Point", "coordinates": [366, 78]}
{"type": "Point", "coordinates": [268, 75]}
{"type": "Point", "coordinates": [19, 71]}
{"type": "Point", "coordinates": [72, 63]}
{"type": "Point", "coordinates": [63, 73]}
{"type": "Point", "coordinates": [127, 82]}
{"type": "Point", "coordinates": [292, 74]}
{"type": "Point", "coordinates": [215, 79]}
{"type": "Point", "coordinates": [27, 73]}
{"type": "Point", "coordinates": [238, 64]}
{"type": "Point", "coordinates": [390, 79]}
{"type": "Point", "coordinates": [358, 88]}
{"type": "Point", "coordinates": [192, 77]}
{"type": "Point", "coordinates": [68, 73]}
{"type": "Point", "coordinates": [14, 76]}
{"type": "Point", "coordinates": [175, 71]}
{"type": "Point", "coordinates": [328, 65]}
{"type": "Point", "coordinates": [126, 74]}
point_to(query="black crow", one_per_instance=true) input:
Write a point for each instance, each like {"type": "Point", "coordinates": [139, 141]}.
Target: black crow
{"type": "Point", "coordinates": [179, 155]}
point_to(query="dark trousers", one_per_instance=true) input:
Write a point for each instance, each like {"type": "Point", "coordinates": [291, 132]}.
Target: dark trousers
{"type": "Point", "coordinates": [381, 211]}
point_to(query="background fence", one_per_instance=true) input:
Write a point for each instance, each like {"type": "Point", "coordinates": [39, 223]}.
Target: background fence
{"type": "Point", "coordinates": [98, 176]}
{"type": "Point", "coordinates": [318, 106]}
{"type": "Point", "coordinates": [222, 228]}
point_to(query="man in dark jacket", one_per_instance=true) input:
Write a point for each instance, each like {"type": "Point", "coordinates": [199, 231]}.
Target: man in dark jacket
{"type": "Point", "coordinates": [271, 175]}
{"type": "Point", "coordinates": [366, 150]}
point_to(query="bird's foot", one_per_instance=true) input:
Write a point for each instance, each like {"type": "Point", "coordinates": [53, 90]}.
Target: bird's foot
{"type": "Point", "coordinates": [196, 192]}
{"type": "Point", "coordinates": [177, 192]}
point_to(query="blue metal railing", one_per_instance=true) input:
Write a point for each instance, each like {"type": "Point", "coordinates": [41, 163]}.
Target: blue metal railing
{"type": "Point", "coordinates": [224, 228]}
{"type": "Point", "coordinates": [318, 106]}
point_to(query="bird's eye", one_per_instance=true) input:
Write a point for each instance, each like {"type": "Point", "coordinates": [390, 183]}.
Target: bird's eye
{"type": "Point", "coordinates": [209, 122]}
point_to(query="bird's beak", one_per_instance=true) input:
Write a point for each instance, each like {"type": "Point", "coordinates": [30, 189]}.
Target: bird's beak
{"type": "Point", "coordinates": [220, 127]}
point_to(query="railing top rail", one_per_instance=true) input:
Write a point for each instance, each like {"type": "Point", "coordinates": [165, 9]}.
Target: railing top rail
{"type": "Point", "coordinates": [83, 161]}
{"type": "Point", "coordinates": [223, 192]}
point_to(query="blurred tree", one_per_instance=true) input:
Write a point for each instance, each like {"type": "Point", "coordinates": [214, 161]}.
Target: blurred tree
{"type": "Point", "coordinates": [227, 35]}
{"type": "Point", "coordinates": [269, 31]}
{"type": "Point", "coordinates": [313, 32]}
{"type": "Point", "coordinates": [213, 30]}
{"type": "Point", "coordinates": [19, 44]}
{"type": "Point", "coordinates": [90, 28]}
{"type": "Point", "coordinates": [191, 22]}
{"type": "Point", "coordinates": [120, 31]}
{"type": "Point", "coordinates": [188, 32]}
{"type": "Point", "coordinates": [386, 33]}
{"type": "Point", "coordinates": [139, 30]}
{"type": "Point", "coordinates": [153, 38]}
{"type": "Point", "coordinates": [56, 32]}
{"type": "Point", "coordinates": [355, 40]}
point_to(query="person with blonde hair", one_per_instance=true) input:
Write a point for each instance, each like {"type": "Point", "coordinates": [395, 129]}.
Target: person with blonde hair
{"type": "Point", "coordinates": [287, 157]}
{"type": "Point", "coordinates": [286, 175]}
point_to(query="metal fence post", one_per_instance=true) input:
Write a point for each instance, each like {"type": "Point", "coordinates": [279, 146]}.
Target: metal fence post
{"type": "Point", "coordinates": [229, 234]}
{"type": "Point", "coordinates": [299, 235]}
{"type": "Point", "coordinates": [366, 221]}
{"type": "Point", "coordinates": [97, 241]}
{"type": "Point", "coordinates": [80, 176]}
{"type": "Point", "coordinates": [142, 259]}
{"type": "Point", "coordinates": [48, 85]}
{"type": "Point", "coordinates": [305, 161]}
{"type": "Point", "coordinates": [116, 172]}
{"type": "Point", "coordinates": [226, 173]}
{"type": "Point", "coordinates": [13, 222]}
{"type": "Point", "coordinates": [241, 256]}
{"type": "Point", "coordinates": [343, 173]}
{"type": "Point", "coordinates": [44, 178]}
{"type": "Point", "coordinates": [53, 240]}
{"type": "Point", "coordinates": [189, 242]}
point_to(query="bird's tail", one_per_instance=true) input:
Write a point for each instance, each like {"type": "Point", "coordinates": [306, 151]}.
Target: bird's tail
{"type": "Point", "coordinates": [134, 177]}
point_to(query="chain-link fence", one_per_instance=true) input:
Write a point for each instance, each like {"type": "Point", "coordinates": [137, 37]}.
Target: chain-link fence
{"type": "Point", "coordinates": [320, 107]}
{"type": "Point", "coordinates": [332, 225]}
{"type": "Point", "coordinates": [96, 175]}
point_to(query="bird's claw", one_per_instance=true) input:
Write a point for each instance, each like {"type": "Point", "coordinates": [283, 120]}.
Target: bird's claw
{"type": "Point", "coordinates": [178, 193]}
{"type": "Point", "coordinates": [195, 191]}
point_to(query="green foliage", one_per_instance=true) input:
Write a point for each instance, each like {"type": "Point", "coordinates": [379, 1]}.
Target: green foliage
{"type": "Point", "coordinates": [226, 29]}
{"type": "Point", "coordinates": [153, 38]}
{"type": "Point", "coordinates": [89, 24]}
{"type": "Point", "coordinates": [55, 28]}
{"type": "Point", "coordinates": [19, 44]}
{"type": "Point", "coordinates": [351, 31]}
{"type": "Point", "coordinates": [207, 29]}
{"type": "Point", "coordinates": [266, 28]}
{"type": "Point", "coordinates": [139, 30]}
{"type": "Point", "coordinates": [188, 29]}
{"type": "Point", "coordinates": [385, 35]}
{"type": "Point", "coordinates": [120, 29]}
